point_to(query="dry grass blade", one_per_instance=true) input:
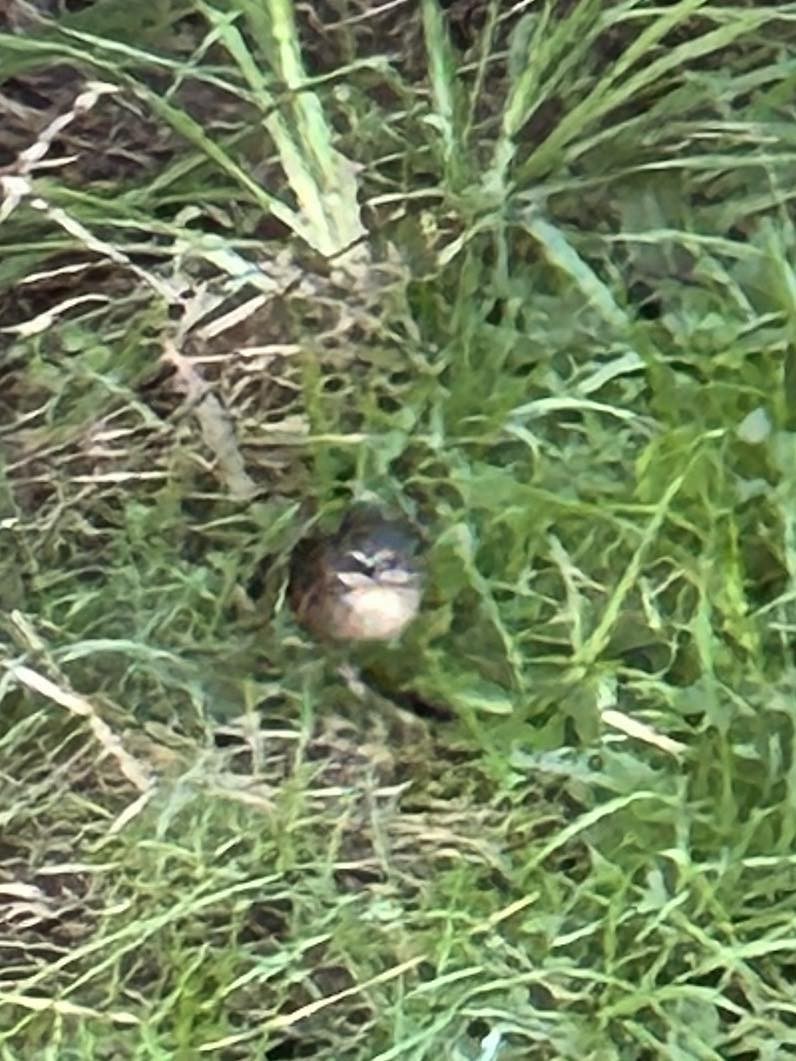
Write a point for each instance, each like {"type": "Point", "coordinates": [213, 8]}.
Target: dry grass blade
{"type": "Point", "coordinates": [217, 429]}
{"type": "Point", "coordinates": [136, 773]}
{"type": "Point", "coordinates": [321, 178]}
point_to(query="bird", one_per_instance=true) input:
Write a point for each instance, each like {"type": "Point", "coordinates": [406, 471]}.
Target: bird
{"type": "Point", "coordinates": [362, 582]}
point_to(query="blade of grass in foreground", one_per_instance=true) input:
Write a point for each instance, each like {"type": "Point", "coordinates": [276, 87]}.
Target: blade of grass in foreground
{"type": "Point", "coordinates": [626, 78]}
{"type": "Point", "coordinates": [322, 179]}
{"type": "Point", "coordinates": [446, 92]}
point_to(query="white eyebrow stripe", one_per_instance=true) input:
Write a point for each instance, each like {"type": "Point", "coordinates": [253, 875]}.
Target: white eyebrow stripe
{"type": "Point", "coordinates": [360, 557]}
{"type": "Point", "coordinates": [397, 576]}
{"type": "Point", "coordinates": [354, 579]}
{"type": "Point", "coordinates": [384, 555]}
{"type": "Point", "coordinates": [381, 558]}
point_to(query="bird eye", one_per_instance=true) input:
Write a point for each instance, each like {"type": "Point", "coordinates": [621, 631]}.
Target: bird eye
{"type": "Point", "coordinates": [359, 556]}
{"type": "Point", "coordinates": [362, 561]}
{"type": "Point", "coordinates": [386, 558]}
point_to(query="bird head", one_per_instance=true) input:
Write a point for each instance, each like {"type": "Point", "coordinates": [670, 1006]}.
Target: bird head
{"type": "Point", "coordinates": [362, 583]}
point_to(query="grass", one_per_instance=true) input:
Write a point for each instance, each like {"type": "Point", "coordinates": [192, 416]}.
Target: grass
{"type": "Point", "coordinates": [525, 272]}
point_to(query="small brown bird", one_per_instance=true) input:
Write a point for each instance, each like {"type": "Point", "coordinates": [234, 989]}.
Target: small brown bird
{"type": "Point", "coordinates": [362, 583]}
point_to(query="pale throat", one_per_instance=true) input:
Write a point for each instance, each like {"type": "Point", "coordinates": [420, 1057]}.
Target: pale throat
{"type": "Point", "coordinates": [380, 612]}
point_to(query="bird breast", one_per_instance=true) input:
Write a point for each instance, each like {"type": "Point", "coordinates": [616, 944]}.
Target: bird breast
{"type": "Point", "coordinates": [375, 612]}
